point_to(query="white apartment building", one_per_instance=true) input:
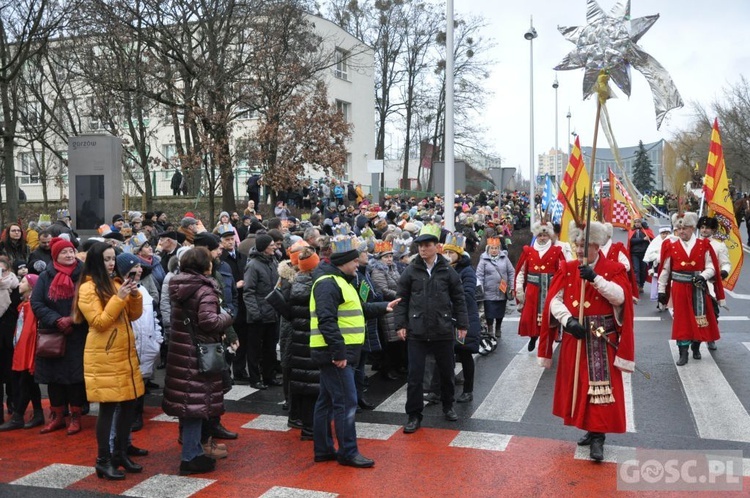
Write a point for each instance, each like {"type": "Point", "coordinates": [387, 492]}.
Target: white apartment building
{"type": "Point", "coordinates": [350, 85]}
{"type": "Point", "coordinates": [551, 162]}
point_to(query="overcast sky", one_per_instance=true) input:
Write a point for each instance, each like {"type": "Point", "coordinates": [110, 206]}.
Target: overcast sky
{"type": "Point", "coordinates": [702, 44]}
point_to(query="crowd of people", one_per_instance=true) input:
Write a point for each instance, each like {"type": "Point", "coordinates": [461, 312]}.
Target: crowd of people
{"type": "Point", "coordinates": [344, 285]}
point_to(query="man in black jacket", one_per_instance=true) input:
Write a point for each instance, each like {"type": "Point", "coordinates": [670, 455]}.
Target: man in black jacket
{"type": "Point", "coordinates": [237, 262]}
{"type": "Point", "coordinates": [337, 332]}
{"type": "Point", "coordinates": [432, 314]}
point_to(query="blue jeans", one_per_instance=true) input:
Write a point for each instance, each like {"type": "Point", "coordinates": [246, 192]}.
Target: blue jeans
{"type": "Point", "coordinates": [191, 438]}
{"type": "Point", "coordinates": [337, 400]}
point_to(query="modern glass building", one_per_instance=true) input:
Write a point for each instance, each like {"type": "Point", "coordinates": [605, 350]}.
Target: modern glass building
{"type": "Point", "coordinates": [605, 159]}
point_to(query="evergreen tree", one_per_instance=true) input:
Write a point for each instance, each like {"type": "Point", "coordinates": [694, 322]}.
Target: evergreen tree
{"type": "Point", "coordinates": [643, 170]}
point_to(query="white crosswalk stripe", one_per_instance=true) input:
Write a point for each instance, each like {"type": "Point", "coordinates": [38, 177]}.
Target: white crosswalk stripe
{"type": "Point", "coordinates": [512, 393]}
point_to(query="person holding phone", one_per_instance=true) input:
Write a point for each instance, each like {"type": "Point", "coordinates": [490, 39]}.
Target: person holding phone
{"type": "Point", "coordinates": [110, 361]}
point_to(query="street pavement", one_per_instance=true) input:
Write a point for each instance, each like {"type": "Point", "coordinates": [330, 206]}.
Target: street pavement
{"type": "Point", "coordinates": [506, 442]}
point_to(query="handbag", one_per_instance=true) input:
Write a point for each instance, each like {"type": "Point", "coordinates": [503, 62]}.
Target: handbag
{"type": "Point", "coordinates": [50, 343]}
{"type": "Point", "coordinates": [210, 355]}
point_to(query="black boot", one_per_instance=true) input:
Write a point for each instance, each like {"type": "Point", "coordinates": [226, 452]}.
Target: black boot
{"type": "Point", "coordinates": [696, 347]}
{"type": "Point", "coordinates": [683, 355]}
{"type": "Point", "coordinates": [586, 439]}
{"type": "Point", "coordinates": [532, 344]}
{"type": "Point", "coordinates": [36, 420]}
{"type": "Point", "coordinates": [15, 422]}
{"type": "Point", "coordinates": [106, 470]}
{"type": "Point", "coordinates": [120, 459]}
{"type": "Point", "coordinates": [498, 330]}
{"type": "Point", "coordinates": [597, 446]}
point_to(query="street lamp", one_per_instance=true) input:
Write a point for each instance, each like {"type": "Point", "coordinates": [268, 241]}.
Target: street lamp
{"type": "Point", "coordinates": [530, 35]}
{"type": "Point", "coordinates": [555, 84]}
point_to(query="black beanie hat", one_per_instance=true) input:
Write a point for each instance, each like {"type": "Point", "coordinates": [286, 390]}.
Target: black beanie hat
{"type": "Point", "coordinates": [342, 258]}
{"type": "Point", "coordinates": [262, 242]}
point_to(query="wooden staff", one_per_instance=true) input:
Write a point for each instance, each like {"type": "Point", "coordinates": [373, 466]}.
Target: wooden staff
{"type": "Point", "coordinates": [601, 98]}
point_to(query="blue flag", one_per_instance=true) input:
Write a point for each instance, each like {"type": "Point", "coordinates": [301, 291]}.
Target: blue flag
{"type": "Point", "coordinates": [548, 195]}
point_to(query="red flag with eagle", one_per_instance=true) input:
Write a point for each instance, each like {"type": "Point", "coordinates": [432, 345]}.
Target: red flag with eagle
{"type": "Point", "coordinates": [719, 202]}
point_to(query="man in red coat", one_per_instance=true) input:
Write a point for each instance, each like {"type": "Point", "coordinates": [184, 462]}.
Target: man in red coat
{"type": "Point", "coordinates": [536, 266]}
{"type": "Point", "coordinates": [687, 264]}
{"type": "Point", "coordinates": [616, 251]}
{"type": "Point", "coordinates": [594, 352]}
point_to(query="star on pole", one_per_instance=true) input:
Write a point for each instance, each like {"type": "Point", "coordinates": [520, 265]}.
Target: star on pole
{"type": "Point", "coordinates": [609, 43]}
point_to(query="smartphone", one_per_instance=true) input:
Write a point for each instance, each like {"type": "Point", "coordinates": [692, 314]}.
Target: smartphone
{"type": "Point", "coordinates": [132, 275]}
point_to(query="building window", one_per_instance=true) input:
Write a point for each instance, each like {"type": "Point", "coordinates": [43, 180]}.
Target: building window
{"type": "Point", "coordinates": [348, 169]}
{"type": "Point", "coordinates": [342, 65]}
{"type": "Point", "coordinates": [29, 167]}
{"type": "Point", "coordinates": [345, 109]}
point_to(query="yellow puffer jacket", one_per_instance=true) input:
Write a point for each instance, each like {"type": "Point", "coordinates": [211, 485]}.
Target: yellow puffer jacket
{"type": "Point", "coordinates": [110, 361]}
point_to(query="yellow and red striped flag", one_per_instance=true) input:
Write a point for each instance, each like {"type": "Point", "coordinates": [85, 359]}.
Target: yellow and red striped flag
{"type": "Point", "coordinates": [574, 187]}
{"type": "Point", "coordinates": [623, 209]}
{"type": "Point", "coordinates": [719, 201]}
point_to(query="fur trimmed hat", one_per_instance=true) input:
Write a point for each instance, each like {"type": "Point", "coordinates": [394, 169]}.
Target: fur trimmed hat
{"type": "Point", "coordinates": [599, 234]}
{"type": "Point", "coordinates": [687, 219]}
{"type": "Point", "coordinates": [610, 230]}
{"type": "Point", "coordinates": [709, 222]}
{"type": "Point", "coordinates": [538, 228]}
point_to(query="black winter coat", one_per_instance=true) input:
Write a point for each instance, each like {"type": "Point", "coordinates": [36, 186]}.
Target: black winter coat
{"type": "Point", "coordinates": [260, 279]}
{"type": "Point", "coordinates": [68, 369]}
{"type": "Point", "coordinates": [189, 393]}
{"type": "Point", "coordinates": [469, 281]}
{"type": "Point", "coordinates": [328, 297]}
{"type": "Point", "coordinates": [432, 306]}
{"type": "Point", "coordinates": [304, 378]}
{"type": "Point", "coordinates": [237, 264]}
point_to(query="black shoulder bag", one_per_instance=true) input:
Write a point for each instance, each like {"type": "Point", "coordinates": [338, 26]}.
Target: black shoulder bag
{"type": "Point", "coordinates": [210, 355]}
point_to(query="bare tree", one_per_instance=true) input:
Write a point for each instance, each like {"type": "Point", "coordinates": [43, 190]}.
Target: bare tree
{"type": "Point", "coordinates": [25, 29]}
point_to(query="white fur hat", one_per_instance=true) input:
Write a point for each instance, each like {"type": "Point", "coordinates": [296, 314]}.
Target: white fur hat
{"type": "Point", "coordinates": [686, 219]}
{"type": "Point", "coordinates": [598, 233]}
{"type": "Point", "coordinates": [537, 228]}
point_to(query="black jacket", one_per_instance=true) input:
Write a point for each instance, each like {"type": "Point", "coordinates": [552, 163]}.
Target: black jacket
{"type": "Point", "coordinates": [328, 297]}
{"type": "Point", "coordinates": [304, 377]}
{"type": "Point", "coordinates": [237, 265]}
{"type": "Point", "coordinates": [469, 281]}
{"type": "Point", "coordinates": [432, 306]}
{"type": "Point", "coordinates": [260, 279]}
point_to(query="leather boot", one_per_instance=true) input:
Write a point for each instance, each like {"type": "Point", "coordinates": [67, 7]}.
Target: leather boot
{"type": "Point", "coordinates": [683, 355]}
{"type": "Point", "coordinates": [106, 470]}
{"type": "Point", "coordinates": [56, 420]}
{"type": "Point", "coordinates": [696, 347]}
{"type": "Point", "coordinates": [36, 420]}
{"type": "Point", "coordinates": [120, 459]}
{"type": "Point", "coordinates": [498, 330]}
{"type": "Point", "coordinates": [75, 420]}
{"type": "Point", "coordinates": [586, 439]}
{"type": "Point", "coordinates": [597, 447]}
{"type": "Point", "coordinates": [15, 422]}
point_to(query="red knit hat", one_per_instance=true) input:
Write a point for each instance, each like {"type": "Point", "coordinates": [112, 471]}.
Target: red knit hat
{"type": "Point", "coordinates": [57, 245]}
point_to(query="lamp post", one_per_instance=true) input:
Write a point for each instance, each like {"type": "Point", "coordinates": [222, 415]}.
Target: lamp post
{"type": "Point", "coordinates": [555, 84]}
{"type": "Point", "coordinates": [450, 189]}
{"type": "Point", "coordinates": [568, 116]}
{"type": "Point", "coordinates": [530, 35]}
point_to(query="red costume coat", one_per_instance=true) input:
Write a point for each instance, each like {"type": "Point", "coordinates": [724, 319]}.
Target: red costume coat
{"type": "Point", "coordinates": [684, 324]}
{"type": "Point", "coordinates": [530, 262]}
{"type": "Point", "coordinates": [588, 416]}
{"type": "Point", "coordinates": [615, 250]}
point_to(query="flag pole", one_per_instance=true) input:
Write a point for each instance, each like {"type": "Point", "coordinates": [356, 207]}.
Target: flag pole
{"type": "Point", "coordinates": [602, 96]}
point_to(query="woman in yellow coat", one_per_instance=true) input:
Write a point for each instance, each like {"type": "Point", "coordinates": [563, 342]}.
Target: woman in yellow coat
{"type": "Point", "coordinates": [110, 362]}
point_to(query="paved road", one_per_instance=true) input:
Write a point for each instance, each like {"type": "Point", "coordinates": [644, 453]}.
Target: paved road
{"type": "Point", "coordinates": [507, 439]}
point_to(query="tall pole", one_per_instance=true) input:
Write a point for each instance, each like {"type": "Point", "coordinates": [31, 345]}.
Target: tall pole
{"type": "Point", "coordinates": [568, 116]}
{"type": "Point", "coordinates": [557, 151]}
{"type": "Point", "coordinates": [450, 189]}
{"type": "Point", "coordinates": [530, 35]}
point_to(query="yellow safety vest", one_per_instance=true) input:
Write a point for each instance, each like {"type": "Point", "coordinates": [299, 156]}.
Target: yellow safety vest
{"type": "Point", "coordinates": [351, 318]}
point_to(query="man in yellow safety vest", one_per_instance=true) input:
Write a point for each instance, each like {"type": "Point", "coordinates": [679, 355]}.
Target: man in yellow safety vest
{"type": "Point", "coordinates": [337, 332]}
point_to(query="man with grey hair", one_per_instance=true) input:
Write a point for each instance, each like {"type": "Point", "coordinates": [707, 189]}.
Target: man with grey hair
{"type": "Point", "coordinates": [311, 236]}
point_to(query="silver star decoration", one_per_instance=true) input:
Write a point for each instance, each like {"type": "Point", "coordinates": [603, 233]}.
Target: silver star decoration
{"type": "Point", "coordinates": [609, 42]}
